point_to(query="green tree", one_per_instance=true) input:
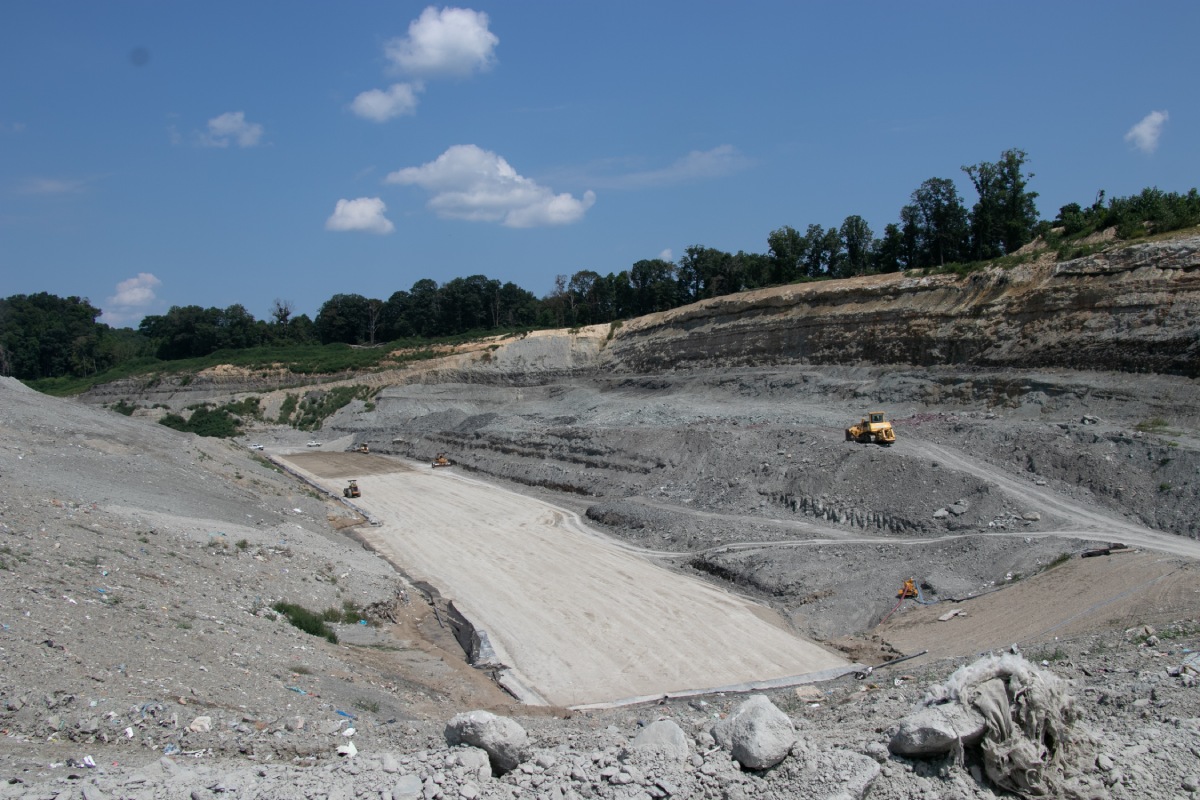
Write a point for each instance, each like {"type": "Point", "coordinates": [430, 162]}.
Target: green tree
{"type": "Point", "coordinates": [424, 308]}
{"type": "Point", "coordinates": [887, 254]}
{"type": "Point", "coordinates": [1003, 218]}
{"type": "Point", "coordinates": [787, 248]}
{"type": "Point", "coordinates": [653, 282]}
{"type": "Point", "coordinates": [942, 222]}
{"type": "Point", "coordinates": [343, 318]}
{"type": "Point", "coordinates": [856, 240]}
{"type": "Point", "coordinates": [46, 336]}
{"type": "Point", "coordinates": [184, 332]}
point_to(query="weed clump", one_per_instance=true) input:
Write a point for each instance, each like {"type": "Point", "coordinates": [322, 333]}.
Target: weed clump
{"type": "Point", "coordinates": [307, 621]}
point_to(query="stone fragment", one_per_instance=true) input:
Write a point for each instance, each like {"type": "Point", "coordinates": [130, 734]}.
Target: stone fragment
{"type": "Point", "coordinates": [757, 734]}
{"type": "Point", "coordinates": [504, 740]}
{"type": "Point", "coordinates": [407, 787]}
{"type": "Point", "coordinates": [934, 730]}
{"type": "Point", "coordinates": [664, 738]}
{"type": "Point", "coordinates": [200, 725]}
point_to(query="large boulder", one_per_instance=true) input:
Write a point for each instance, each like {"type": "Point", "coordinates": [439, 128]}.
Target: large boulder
{"type": "Point", "coordinates": [757, 734]}
{"type": "Point", "coordinates": [937, 730]}
{"type": "Point", "coordinates": [662, 738]}
{"type": "Point", "coordinates": [504, 740]}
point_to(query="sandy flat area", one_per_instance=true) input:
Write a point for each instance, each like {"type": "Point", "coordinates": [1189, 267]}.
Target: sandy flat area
{"type": "Point", "coordinates": [580, 619]}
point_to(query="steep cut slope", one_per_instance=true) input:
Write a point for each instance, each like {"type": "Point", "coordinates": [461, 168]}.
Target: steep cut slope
{"type": "Point", "coordinates": [1135, 309]}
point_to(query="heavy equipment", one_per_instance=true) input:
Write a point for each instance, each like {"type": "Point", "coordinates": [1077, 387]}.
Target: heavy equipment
{"type": "Point", "coordinates": [441, 460]}
{"type": "Point", "coordinates": [351, 490]}
{"type": "Point", "coordinates": [362, 448]}
{"type": "Point", "coordinates": [872, 428]}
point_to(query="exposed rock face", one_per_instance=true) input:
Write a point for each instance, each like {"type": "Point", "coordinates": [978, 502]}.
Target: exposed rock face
{"type": "Point", "coordinates": [1132, 310]}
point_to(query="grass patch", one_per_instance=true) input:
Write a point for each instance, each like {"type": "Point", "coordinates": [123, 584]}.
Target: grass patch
{"type": "Point", "coordinates": [1058, 561]}
{"type": "Point", "coordinates": [348, 614]}
{"type": "Point", "coordinates": [1057, 654]}
{"type": "Point", "coordinates": [307, 621]}
{"type": "Point", "coordinates": [363, 704]}
{"type": "Point", "coordinates": [124, 407]}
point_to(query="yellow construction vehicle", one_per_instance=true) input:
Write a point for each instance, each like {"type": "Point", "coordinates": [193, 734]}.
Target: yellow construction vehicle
{"type": "Point", "coordinates": [363, 448]}
{"type": "Point", "coordinates": [351, 490]}
{"type": "Point", "coordinates": [873, 428]}
{"type": "Point", "coordinates": [441, 460]}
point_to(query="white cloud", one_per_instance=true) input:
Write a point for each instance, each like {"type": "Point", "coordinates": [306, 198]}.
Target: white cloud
{"type": "Point", "coordinates": [696, 165]}
{"type": "Point", "coordinates": [665, 255]}
{"type": "Point", "coordinates": [363, 214]}
{"type": "Point", "coordinates": [53, 186]}
{"type": "Point", "coordinates": [452, 41]}
{"type": "Point", "coordinates": [468, 182]}
{"type": "Point", "coordinates": [232, 128]}
{"type": "Point", "coordinates": [1146, 133]}
{"type": "Point", "coordinates": [132, 300]}
{"type": "Point", "coordinates": [381, 105]}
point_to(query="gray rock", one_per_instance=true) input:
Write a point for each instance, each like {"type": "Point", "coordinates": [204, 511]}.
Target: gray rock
{"type": "Point", "coordinates": [664, 738]}
{"type": "Point", "coordinates": [757, 734]}
{"type": "Point", "coordinates": [504, 740]}
{"type": "Point", "coordinates": [934, 730]}
{"type": "Point", "coordinates": [407, 787]}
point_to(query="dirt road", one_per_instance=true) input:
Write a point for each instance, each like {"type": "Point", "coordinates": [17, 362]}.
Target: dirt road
{"type": "Point", "coordinates": [582, 620]}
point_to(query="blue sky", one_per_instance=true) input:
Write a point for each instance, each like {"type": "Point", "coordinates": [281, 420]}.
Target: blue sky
{"type": "Point", "coordinates": [210, 153]}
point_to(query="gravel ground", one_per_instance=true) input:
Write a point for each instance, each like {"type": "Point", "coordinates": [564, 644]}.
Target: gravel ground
{"type": "Point", "coordinates": [142, 658]}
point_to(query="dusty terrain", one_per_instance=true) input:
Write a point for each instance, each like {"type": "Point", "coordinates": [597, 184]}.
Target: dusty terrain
{"type": "Point", "coordinates": [141, 657]}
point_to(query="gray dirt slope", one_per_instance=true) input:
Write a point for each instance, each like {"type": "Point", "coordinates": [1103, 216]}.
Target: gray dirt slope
{"type": "Point", "coordinates": [138, 567]}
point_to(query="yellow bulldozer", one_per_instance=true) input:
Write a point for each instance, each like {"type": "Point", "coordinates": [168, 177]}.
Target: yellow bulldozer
{"type": "Point", "coordinates": [352, 490]}
{"type": "Point", "coordinates": [442, 461]}
{"type": "Point", "coordinates": [872, 428]}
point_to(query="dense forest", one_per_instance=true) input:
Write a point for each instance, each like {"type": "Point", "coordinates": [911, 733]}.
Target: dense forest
{"type": "Point", "coordinates": [45, 336]}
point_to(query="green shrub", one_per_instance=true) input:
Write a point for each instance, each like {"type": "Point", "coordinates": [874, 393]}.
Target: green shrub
{"type": "Point", "coordinates": [123, 406]}
{"type": "Point", "coordinates": [305, 620]}
{"type": "Point", "coordinates": [287, 408]}
{"type": "Point", "coordinates": [204, 421]}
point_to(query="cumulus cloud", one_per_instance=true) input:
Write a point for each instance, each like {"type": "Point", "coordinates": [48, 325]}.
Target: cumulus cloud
{"type": "Point", "coordinates": [1144, 136]}
{"type": "Point", "coordinates": [363, 214]}
{"type": "Point", "coordinates": [232, 128]}
{"type": "Point", "coordinates": [470, 183]}
{"type": "Point", "coordinates": [381, 105]}
{"type": "Point", "coordinates": [133, 298]}
{"type": "Point", "coordinates": [666, 255]}
{"type": "Point", "coordinates": [450, 41]}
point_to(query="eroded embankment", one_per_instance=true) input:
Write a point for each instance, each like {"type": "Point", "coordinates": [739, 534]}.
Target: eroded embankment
{"type": "Point", "coordinates": [1135, 309]}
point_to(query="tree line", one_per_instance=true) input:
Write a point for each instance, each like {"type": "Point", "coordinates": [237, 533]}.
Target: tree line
{"type": "Point", "coordinates": [45, 336]}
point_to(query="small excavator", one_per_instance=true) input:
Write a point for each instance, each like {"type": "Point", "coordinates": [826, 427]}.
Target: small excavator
{"type": "Point", "coordinates": [352, 490]}
{"type": "Point", "coordinates": [872, 428]}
